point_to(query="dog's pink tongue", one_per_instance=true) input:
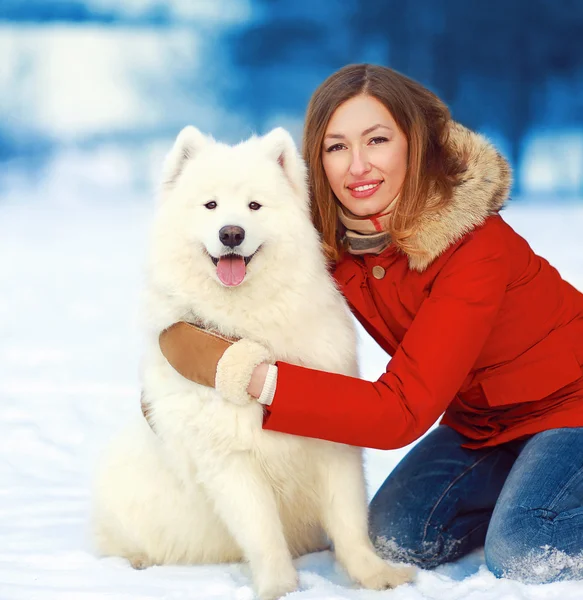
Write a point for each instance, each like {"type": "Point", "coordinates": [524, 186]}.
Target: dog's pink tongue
{"type": "Point", "coordinates": [231, 269]}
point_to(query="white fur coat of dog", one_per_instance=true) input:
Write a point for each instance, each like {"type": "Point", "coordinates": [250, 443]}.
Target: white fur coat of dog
{"type": "Point", "coordinates": [207, 484]}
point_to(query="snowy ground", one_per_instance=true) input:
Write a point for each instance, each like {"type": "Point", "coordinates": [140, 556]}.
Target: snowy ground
{"type": "Point", "coordinates": [70, 280]}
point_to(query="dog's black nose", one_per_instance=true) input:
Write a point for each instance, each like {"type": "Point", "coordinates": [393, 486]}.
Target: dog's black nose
{"type": "Point", "coordinates": [231, 235]}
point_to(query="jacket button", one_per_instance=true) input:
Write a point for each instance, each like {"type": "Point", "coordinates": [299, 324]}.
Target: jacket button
{"type": "Point", "coordinates": [378, 272]}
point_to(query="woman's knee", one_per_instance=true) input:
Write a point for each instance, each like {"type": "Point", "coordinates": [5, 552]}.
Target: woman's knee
{"type": "Point", "coordinates": [501, 554]}
{"type": "Point", "coordinates": [531, 564]}
{"type": "Point", "coordinates": [518, 546]}
{"type": "Point", "coordinates": [405, 540]}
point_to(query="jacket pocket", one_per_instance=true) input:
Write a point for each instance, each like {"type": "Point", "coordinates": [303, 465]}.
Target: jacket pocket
{"type": "Point", "coordinates": [536, 374]}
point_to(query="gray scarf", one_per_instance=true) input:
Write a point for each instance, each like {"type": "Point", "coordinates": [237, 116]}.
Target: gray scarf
{"type": "Point", "coordinates": [365, 235]}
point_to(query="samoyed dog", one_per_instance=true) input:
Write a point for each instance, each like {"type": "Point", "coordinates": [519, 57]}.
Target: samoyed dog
{"type": "Point", "coordinates": [201, 481]}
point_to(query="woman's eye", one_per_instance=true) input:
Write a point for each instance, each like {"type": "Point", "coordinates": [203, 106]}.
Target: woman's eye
{"type": "Point", "coordinates": [335, 148]}
{"type": "Point", "coordinates": [211, 205]}
{"type": "Point", "coordinates": [254, 205]}
{"type": "Point", "coordinates": [378, 140]}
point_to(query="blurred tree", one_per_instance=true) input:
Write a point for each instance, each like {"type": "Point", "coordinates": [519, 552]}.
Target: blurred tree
{"type": "Point", "coordinates": [490, 61]}
{"type": "Point", "coordinates": [81, 11]}
{"type": "Point", "coordinates": [285, 52]}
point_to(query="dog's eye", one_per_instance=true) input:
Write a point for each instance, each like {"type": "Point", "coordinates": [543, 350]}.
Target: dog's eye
{"type": "Point", "coordinates": [210, 205]}
{"type": "Point", "coordinates": [254, 205]}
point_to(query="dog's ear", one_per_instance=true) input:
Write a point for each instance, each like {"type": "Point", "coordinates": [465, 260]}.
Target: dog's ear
{"type": "Point", "coordinates": [280, 146]}
{"type": "Point", "coordinates": [187, 145]}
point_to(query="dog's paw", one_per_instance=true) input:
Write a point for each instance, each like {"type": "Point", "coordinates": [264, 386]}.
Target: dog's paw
{"type": "Point", "coordinates": [374, 573]}
{"type": "Point", "coordinates": [278, 584]}
{"type": "Point", "coordinates": [140, 561]}
{"type": "Point", "coordinates": [387, 576]}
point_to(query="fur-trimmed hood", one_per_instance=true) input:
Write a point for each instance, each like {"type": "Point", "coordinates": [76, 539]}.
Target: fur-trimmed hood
{"type": "Point", "coordinates": [482, 192]}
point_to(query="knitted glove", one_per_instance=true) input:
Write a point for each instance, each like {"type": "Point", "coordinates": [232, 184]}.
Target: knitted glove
{"type": "Point", "coordinates": [212, 359]}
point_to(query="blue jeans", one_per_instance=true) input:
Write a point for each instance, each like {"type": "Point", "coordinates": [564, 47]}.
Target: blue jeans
{"type": "Point", "coordinates": [522, 501]}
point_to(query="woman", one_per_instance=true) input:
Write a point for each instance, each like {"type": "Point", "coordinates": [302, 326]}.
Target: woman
{"type": "Point", "coordinates": [478, 327]}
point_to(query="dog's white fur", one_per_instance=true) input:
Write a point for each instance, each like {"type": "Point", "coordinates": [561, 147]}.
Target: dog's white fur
{"type": "Point", "coordinates": [210, 485]}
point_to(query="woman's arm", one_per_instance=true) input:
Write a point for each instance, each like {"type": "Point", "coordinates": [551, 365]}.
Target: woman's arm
{"type": "Point", "coordinates": [426, 372]}
{"type": "Point", "coordinates": [257, 382]}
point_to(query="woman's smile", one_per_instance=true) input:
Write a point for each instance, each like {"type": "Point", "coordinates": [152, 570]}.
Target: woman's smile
{"type": "Point", "coordinates": [364, 156]}
{"type": "Point", "coordinates": [364, 189]}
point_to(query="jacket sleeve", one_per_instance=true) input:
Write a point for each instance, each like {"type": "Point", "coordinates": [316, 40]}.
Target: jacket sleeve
{"type": "Point", "coordinates": [424, 375]}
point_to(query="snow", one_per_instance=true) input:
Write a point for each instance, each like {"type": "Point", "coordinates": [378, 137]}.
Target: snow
{"type": "Point", "coordinates": [77, 86]}
{"type": "Point", "coordinates": [74, 82]}
{"type": "Point", "coordinates": [553, 160]}
{"type": "Point", "coordinates": [70, 283]}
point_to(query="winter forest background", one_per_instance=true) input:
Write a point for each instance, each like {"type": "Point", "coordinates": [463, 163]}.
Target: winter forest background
{"type": "Point", "coordinates": [110, 82]}
{"type": "Point", "coordinates": [92, 94]}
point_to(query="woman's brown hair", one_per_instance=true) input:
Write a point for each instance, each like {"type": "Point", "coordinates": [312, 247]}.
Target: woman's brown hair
{"type": "Point", "coordinates": [432, 170]}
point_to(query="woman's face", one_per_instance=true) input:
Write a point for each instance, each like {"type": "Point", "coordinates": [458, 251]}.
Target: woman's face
{"type": "Point", "coordinates": [364, 156]}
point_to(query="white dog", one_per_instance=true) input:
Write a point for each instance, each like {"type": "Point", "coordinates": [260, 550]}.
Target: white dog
{"type": "Point", "coordinates": [205, 483]}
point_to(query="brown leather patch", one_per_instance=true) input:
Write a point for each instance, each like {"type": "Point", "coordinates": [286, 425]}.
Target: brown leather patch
{"type": "Point", "coordinates": [194, 352]}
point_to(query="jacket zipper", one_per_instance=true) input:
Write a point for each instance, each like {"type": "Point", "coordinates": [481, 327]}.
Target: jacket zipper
{"type": "Point", "coordinates": [367, 295]}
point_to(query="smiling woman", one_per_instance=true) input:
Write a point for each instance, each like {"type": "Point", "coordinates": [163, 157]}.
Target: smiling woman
{"type": "Point", "coordinates": [365, 165]}
{"type": "Point", "coordinates": [375, 146]}
{"type": "Point", "coordinates": [480, 329]}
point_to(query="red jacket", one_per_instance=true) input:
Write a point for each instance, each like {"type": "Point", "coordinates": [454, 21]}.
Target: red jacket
{"type": "Point", "coordinates": [480, 328]}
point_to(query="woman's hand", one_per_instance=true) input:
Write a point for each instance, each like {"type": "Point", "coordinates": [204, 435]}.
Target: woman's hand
{"type": "Point", "coordinates": [257, 381]}
{"type": "Point", "coordinates": [237, 369]}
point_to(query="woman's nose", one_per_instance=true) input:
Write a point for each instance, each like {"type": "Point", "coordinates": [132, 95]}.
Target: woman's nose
{"type": "Point", "coordinates": [359, 164]}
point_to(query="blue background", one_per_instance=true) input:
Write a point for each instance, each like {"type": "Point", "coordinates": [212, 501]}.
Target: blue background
{"type": "Point", "coordinates": [94, 91]}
